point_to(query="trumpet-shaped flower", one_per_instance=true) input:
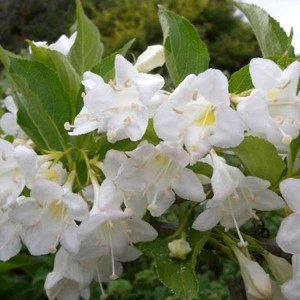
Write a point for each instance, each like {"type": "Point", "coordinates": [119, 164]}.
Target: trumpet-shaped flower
{"type": "Point", "coordinates": [198, 115]}
{"type": "Point", "coordinates": [12, 179]}
{"type": "Point", "coordinates": [236, 198]}
{"type": "Point", "coordinates": [62, 45]}
{"type": "Point", "coordinates": [273, 109]}
{"type": "Point", "coordinates": [288, 236]}
{"type": "Point", "coordinates": [118, 108]}
{"type": "Point", "coordinates": [157, 171]}
{"type": "Point", "coordinates": [257, 281]}
{"type": "Point", "coordinates": [69, 279]}
{"type": "Point", "coordinates": [47, 215]}
{"type": "Point", "coordinates": [112, 234]}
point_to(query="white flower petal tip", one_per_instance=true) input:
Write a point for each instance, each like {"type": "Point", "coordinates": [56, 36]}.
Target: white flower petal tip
{"type": "Point", "coordinates": [152, 58]}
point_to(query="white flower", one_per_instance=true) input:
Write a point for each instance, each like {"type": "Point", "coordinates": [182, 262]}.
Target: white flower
{"type": "Point", "coordinates": [8, 121]}
{"type": "Point", "coordinates": [9, 235]}
{"type": "Point", "coordinates": [157, 171]}
{"type": "Point", "coordinates": [150, 59]}
{"type": "Point", "coordinates": [12, 179]}
{"type": "Point", "coordinates": [62, 45]}
{"type": "Point", "coordinates": [118, 108]}
{"type": "Point", "coordinates": [235, 198]}
{"type": "Point", "coordinates": [198, 115]}
{"type": "Point", "coordinates": [111, 196]}
{"type": "Point", "coordinates": [48, 216]}
{"type": "Point", "coordinates": [112, 234]}
{"type": "Point", "coordinates": [69, 279]}
{"type": "Point", "coordinates": [257, 281]}
{"type": "Point", "coordinates": [288, 236]}
{"type": "Point", "coordinates": [273, 109]}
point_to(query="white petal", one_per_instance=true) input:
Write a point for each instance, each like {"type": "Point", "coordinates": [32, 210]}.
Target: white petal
{"type": "Point", "coordinates": [43, 236]}
{"type": "Point", "coordinates": [45, 190]}
{"type": "Point", "coordinates": [267, 200]}
{"type": "Point", "coordinates": [69, 238]}
{"type": "Point", "coordinates": [27, 213]}
{"type": "Point", "coordinates": [164, 200]}
{"type": "Point", "coordinates": [8, 124]}
{"type": "Point", "coordinates": [27, 160]}
{"type": "Point", "coordinates": [91, 80]}
{"type": "Point", "coordinates": [228, 130]}
{"type": "Point", "coordinates": [150, 59]}
{"type": "Point", "coordinates": [147, 85]}
{"type": "Point", "coordinates": [290, 190]}
{"type": "Point", "coordinates": [110, 197]}
{"type": "Point", "coordinates": [112, 163]}
{"type": "Point", "coordinates": [175, 152]}
{"type": "Point", "coordinates": [264, 73]}
{"type": "Point", "coordinates": [254, 112]}
{"type": "Point", "coordinates": [254, 184]}
{"type": "Point", "coordinates": [291, 289]}
{"type": "Point", "coordinates": [124, 70]}
{"type": "Point", "coordinates": [10, 240]}
{"type": "Point", "coordinates": [207, 219]}
{"type": "Point", "coordinates": [213, 86]}
{"type": "Point", "coordinates": [188, 186]}
{"type": "Point", "coordinates": [288, 236]}
{"type": "Point", "coordinates": [77, 208]}
{"type": "Point", "coordinates": [141, 231]}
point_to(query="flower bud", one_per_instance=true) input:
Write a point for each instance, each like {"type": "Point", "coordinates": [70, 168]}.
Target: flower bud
{"type": "Point", "coordinates": [150, 59]}
{"type": "Point", "coordinates": [280, 267]}
{"type": "Point", "coordinates": [179, 248]}
{"type": "Point", "coordinates": [257, 281]}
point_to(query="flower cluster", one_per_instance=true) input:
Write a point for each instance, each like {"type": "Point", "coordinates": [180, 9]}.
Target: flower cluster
{"type": "Point", "coordinates": [93, 227]}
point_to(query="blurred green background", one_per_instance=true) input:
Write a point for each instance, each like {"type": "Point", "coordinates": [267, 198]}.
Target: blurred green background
{"type": "Point", "coordinates": [230, 41]}
{"type": "Point", "coordinates": [231, 44]}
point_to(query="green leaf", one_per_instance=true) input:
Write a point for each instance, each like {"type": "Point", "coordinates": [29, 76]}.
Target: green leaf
{"type": "Point", "coordinates": [88, 49]}
{"type": "Point", "coordinates": [105, 68]}
{"type": "Point", "coordinates": [294, 150]}
{"type": "Point", "coordinates": [260, 158]}
{"type": "Point", "coordinates": [202, 168]}
{"type": "Point", "coordinates": [178, 275]}
{"type": "Point", "coordinates": [272, 39]}
{"type": "Point", "coordinates": [60, 64]}
{"type": "Point", "coordinates": [43, 104]}
{"type": "Point", "coordinates": [34, 119]}
{"type": "Point", "coordinates": [240, 81]}
{"type": "Point", "coordinates": [185, 52]}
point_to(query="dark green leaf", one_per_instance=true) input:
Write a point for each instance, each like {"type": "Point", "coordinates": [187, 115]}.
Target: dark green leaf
{"type": "Point", "coordinates": [88, 49]}
{"type": "Point", "coordinates": [60, 64]}
{"type": "Point", "coordinates": [43, 104]}
{"type": "Point", "coordinates": [185, 52]}
{"type": "Point", "coordinates": [105, 68]}
{"type": "Point", "coordinates": [240, 81]}
{"type": "Point", "coordinates": [178, 275]}
{"type": "Point", "coordinates": [202, 168]}
{"type": "Point", "coordinates": [272, 39]}
{"type": "Point", "coordinates": [260, 158]}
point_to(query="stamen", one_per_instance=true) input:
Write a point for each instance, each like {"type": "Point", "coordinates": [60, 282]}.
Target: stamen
{"type": "Point", "coordinates": [100, 282]}
{"type": "Point", "coordinates": [177, 110]}
{"type": "Point", "coordinates": [242, 242]}
{"type": "Point", "coordinates": [195, 95]}
{"type": "Point", "coordinates": [287, 139]}
{"type": "Point", "coordinates": [113, 275]}
{"type": "Point", "coordinates": [284, 85]}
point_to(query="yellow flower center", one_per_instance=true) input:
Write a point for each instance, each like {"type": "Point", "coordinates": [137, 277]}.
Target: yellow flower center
{"type": "Point", "coordinates": [207, 116]}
